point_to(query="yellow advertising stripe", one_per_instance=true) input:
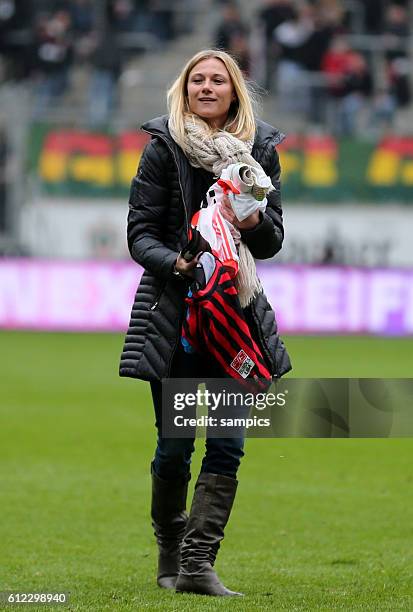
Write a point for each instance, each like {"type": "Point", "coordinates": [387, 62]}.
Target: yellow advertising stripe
{"type": "Point", "coordinates": [407, 172]}
{"type": "Point", "coordinates": [95, 169]}
{"type": "Point", "coordinates": [383, 168]}
{"type": "Point", "coordinates": [290, 162]}
{"type": "Point", "coordinates": [53, 166]}
{"type": "Point", "coordinates": [127, 165]}
{"type": "Point", "coordinates": [319, 170]}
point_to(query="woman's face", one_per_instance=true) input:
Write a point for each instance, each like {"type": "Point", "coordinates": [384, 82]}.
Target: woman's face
{"type": "Point", "coordinates": [210, 91]}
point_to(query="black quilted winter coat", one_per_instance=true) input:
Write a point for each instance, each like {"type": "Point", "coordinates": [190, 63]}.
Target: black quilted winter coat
{"type": "Point", "coordinates": [160, 210]}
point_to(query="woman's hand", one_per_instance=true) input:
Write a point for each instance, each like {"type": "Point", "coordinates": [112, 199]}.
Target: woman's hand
{"type": "Point", "coordinates": [186, 267]}
{"type": "Point", "coordinates": [249, 223]}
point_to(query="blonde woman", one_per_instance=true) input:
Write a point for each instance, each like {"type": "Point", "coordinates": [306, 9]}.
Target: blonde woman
{"type": "Point", "coordinates": [210, 125]}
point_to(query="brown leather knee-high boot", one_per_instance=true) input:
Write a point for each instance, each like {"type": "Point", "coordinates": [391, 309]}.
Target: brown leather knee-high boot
{"type": "Point", "coordinates": [211, 506]}
{"type": "Point", "coordinates": [169, 519]}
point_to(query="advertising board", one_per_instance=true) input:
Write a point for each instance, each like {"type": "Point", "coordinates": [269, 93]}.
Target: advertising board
{"type": "Point", "coordinates": [97, 296]}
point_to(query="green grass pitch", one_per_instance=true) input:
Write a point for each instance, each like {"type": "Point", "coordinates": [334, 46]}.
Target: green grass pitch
{"type": "Point", "coordinates": [317, 524]}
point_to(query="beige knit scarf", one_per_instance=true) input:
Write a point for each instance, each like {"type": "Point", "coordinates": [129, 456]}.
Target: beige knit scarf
{"type": "Point", "coordinates": [214, 151]}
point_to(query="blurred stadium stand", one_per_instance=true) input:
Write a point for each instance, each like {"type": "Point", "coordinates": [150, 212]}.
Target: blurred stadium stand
{"type": "Point", "coordinates": [334, 74]}
{"type": "Point", "coordinates": [64, 51]}
{"type": "Point", "coordinates": [56, 48]}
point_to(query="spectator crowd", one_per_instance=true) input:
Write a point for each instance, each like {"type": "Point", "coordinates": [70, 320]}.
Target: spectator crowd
{"type": "Point", "coordinates": [327, 60]}
{"type": "Point", "coordinates": [41, 40]}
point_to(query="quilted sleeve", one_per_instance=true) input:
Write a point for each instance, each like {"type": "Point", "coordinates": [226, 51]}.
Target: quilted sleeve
{"type": "Point", "coordinates": [148, 201]}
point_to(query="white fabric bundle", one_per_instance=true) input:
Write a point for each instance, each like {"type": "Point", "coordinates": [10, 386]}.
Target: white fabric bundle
{"type": "Point", "coordinates": [247, 187]}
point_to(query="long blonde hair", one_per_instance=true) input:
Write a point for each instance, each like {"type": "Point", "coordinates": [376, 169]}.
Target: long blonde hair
{"type": "Point", "coordinates": [241, 118]}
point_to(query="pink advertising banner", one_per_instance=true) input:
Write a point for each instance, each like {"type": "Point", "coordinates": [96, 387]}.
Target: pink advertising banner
{"type": "Point", "coordinates": [97, 296]}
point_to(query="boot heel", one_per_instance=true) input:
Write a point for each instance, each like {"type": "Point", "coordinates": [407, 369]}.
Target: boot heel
{"type": "Point", "coordinates": [205, 583]}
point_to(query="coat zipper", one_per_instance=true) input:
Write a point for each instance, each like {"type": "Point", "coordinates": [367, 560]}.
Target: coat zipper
{"type": "Point", "coordinates": [158, 297]}
{"type": "Point", "coordinates": [186, 223]}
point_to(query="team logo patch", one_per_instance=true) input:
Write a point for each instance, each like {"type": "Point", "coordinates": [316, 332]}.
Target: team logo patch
{"type": "Point", "coordinates": [242, 364]}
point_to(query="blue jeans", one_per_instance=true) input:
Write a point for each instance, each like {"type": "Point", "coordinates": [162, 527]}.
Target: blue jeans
{"type": "Point", "coordinates": [173, 455]}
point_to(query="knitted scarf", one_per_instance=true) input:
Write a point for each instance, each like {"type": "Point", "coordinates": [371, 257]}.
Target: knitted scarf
{"type": "Point", "coordinates": [214, 151]}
